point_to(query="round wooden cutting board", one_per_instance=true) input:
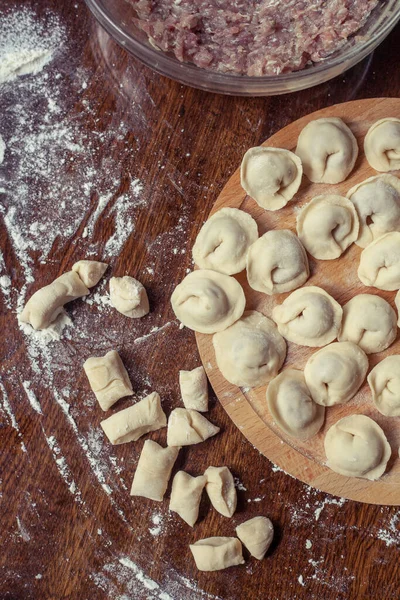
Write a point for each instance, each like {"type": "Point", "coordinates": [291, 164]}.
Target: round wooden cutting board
{"type": "Point", "coordinates": [247, 407]}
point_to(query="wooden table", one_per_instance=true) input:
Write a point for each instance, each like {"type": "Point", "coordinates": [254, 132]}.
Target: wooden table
{"type": "Point", "coordinates": [108, 160]}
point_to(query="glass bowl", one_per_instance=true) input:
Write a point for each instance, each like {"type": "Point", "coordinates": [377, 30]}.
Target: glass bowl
{"type": "Point", "coordinates": [116, 16]}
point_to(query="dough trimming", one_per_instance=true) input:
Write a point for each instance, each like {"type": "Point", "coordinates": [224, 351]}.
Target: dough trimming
{"type": "Point", "coordinates": [194, 389]}
{"type": "Point", "coordinates": [90, 271]}
{"type": "Point", "coordinates": [108, 378]}
{"type": "Point", "coordinates": [220, 488]}
{"type": "Point", "coordinates": [186, 495]}
{"type": "Point", "coordinates": [256, 535]}
{"type": "Point", "coordinates": [216, 553]}
{"type": "Point", "coordinates": [188, 427]}
{"type": "Point", "coordinates": [153, 471]}
{"type": "Point", "coordinates": [129, 297]}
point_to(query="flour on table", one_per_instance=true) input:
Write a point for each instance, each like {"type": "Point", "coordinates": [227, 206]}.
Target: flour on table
{"type": "Point", "coordinates": [62, 466]}
{"type": "Point", "coordinates": [32, 397]}
{"type": "Point", "coordinates": [2, 149]}
{"type": "Point", "coordinates": [23, 532]}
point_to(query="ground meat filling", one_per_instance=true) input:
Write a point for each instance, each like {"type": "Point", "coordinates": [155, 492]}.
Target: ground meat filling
{"type": "Point", "coordinates": [251, 37]}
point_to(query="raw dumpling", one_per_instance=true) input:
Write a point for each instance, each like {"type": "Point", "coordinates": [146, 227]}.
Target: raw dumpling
{"type": "Point", "coordinates": [108, 378]}
{"type": "Point", "coordinates": [397, 303]}
{"type": "Point", "coordinates": [220, 488]}
{"type": "Point", "coordinates": [251, 351]}
{"type": "Point", "coordinates": [216, 553]}
{"type": "Point", "coordinates": [153, 471]}
{"type": "Point", "coordinates": [90, 271]}
{"type": "Point", "coordinates": [187, 427]}
{"type": "Point", "coordinates": [277, 263]}
{"type": "Point", "coordinates": [377, 202]}
{"type": "Point", "coordinates": [207, 301]}
{"type": "Point", "coordinates": [370, 322]}
{"type": "Point", "coordinates": [129, 297]}
{"type": "Point", "coordinates": [194, 389]}
{"type": "Point", "coordinates": [328, 150]}
{"type": "Point", "coordinates": [356, 446]}
{"type": "Point", "coordinates": [335, 373]}
{"type": "Point", "coordinates": [186, 495]}
{"type": "Point", "coordinates": [327, 226]}
{"type": "Point", "coordinates": [271, 176]}
{"type": "Point", "coordinates": [292, 407]}
{"type": "Point", "coordinates": [256, 534]}
{"type": "Point", "coordinates": [384, 381]}
{"type": "Point", "coordinates": [380, 263]}
{"type": "Point", "coordinates": [308, 317]}
{"type": "Point", "coordinates": [382, 145]}
{"type": "Point", "coordinates": [224, 240]}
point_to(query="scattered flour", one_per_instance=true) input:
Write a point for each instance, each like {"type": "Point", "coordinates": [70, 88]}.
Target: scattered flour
{"type": "Point", "coordinates": [32, 397]}
{"type": "Point", "coordinates": [62, 466]}
{"type": "Point", "coordinates": [23, 531]}
{"type": "Point", "coordinates": [308, 544]}
{"type": "Point", "coordinates": [52, 333]}
{"type": "Point", "coordinates": [391, 536]}
{"type": "Point", "coordinates": [2, 149]}
{"type": "Point", "coordinates": [158, 521]}
{"type": "Point", "coordinates": [327, 501]}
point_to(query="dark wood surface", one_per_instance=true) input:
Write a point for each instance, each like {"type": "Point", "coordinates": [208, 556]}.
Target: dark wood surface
{"type": "Point", "coordinates": [93, 541]}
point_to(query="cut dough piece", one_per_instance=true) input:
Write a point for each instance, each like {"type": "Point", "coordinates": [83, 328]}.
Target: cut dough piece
{"type": "Point", "coordinates": [308, 317]}
{"type": "Point", "coordinates": [131, 423]}
{"type": "Point", "coordinates": [220, 488]}
{"type": "Point", "coordinates": [216, 553]}
{"type": "Point", "coordinates": [384, 381]}
{"type": "Point", "coordinates": [207, 301]}
{"type": "Point", "coordinates": [327, 226]}
{"type": "Point", "coordinates": [271, 176]}
{"type": "Point", "coordinates": [292, 407]}
{"type": "Point", "coordinates": [356, 446]}
{"type": "Point", "coordinates": [186, 495]}
{"type": "Point", "coordinates": [251, 351]}
{"type": "Point", "coordinates": [335, 373]}
{"type": "Point", "coordinates": [108, 378]}
{"type": "Point", "coordinates": [328, 150]}
{"type": "Point", "coordinates": [377, 202]}
{"type": "Point", "coordinates": [382, 145]}
{"type": "Point", "coordinates": [370, 322]}
{"type": "Point", "coordinates": [129, 297]}
{"type": "Point", "coordinates": [224, 240]}
{"type": "Point", "coordinates": [194, 389]}
{"type": "Point", "coordinates": [277, 263]}
{"type": "Point", "coordinates": [90, 271]}
{"type": "Point", "coordinates": [43, 308]}
{"type": "Point", "coordinates": [256, 535]}
{"type": "Point", "coordinates": [153, 471]}
{"type": "Point", "coordinates": [188, 427]}
{"type": "Point", "coordinates": [380, 263]}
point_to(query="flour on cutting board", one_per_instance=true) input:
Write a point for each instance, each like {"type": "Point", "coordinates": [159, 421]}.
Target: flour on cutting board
{"type": "Point", "coordinates": [2, 149]}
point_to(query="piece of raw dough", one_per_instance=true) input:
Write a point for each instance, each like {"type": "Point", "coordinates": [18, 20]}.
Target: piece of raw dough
{"type": "Point", "coordinates": [382, 145]}
{"type": "Point", "coordinates": [223, 241]}
{"type": "Point", "coordinates": [129, 297]}
{"type": "Point", "coordinates": [186, 495]}
{"type": "Point", "coordinates": [216, 553]}
{"type": "Point", "coordinates": [384, 381]}
{"type": "Point", "coordinates": [90, 271]}
{"type": "Point", "coordinates": [108, 378]}
{"type": "Point", "coordinates": [256, 535]}
{"type": "Point", "coordinates": [277, 263]}
{"type": "Point", "coordinates": [194, 389]}
{"type": "Point", "coordinates": [188, 427]}
{"type": "Point", "coordinates": [328, 150]}
{"type": "Point", "coordinates": [380, 262]}
{"type": "Point", "coordinates": [356, 446]}
{"type": "Point", "coordinates": [153, 471]}
{"type": "Point", "coordinates": [220, 488]}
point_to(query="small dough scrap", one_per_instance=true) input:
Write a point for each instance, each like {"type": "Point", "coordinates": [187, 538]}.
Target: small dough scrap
{"type": "Point", "coordinates": [370, 322]}
{"type": "Point", "coordinates": [220, 488]}
{"type": "Point", "coordinates": [356, 446]}
{"type": "Point", "coordinates": [188, 427]}
{"type": "Point", "coordinates": [129, 297]}
{"type": "Point", "coordinates": [90, 271]}
{"type": "Point", "coordinates": [153, 471]}
{"type": "Point", "coordinates": [377, 202]}
{"type": "Point", "coordinates": [384, 381]}
{"type": "Point", "coordinates": [207, 301]}
{"type": "Point", "coordinates": [335, 373]}
{"type": "Point", "coordinates": [308, 317]}
{"type": "Point", "coordinates": [194, 389]}
{"type": "Point", "coordinates": [256, 535]}
{"type": "Point", "coordinates": [216, 553]}
{"type": "Point", "coordinates": [223, 241]}
{"type": "Point", "coordinates": [131, 423]}
{"type": "Point", "coordinates": [186, 495]}
{"type": "Point", "coordinates": [251, 351]}
{"type": "Point", "coordinates": [108, 378]}
{"type": "Point", "coordinates": [380, 263]}
{"type": "Point", "coordinates": [327, 226]}
{"type": "Point", "coordinates": [382, 145]}
{"type": "Point", "coordinates": [43, 308]}
{"type": "Point", "coordinates": [271, 176]}
{"type": "Point", "coordinates": [292, 407]}
{"type": "Point", "coordinates": [277, 263]}
{"type": "Point", "coordinates": [328, 150]}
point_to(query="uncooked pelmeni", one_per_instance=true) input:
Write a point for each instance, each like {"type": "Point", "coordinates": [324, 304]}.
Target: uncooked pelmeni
{"type": "Point", "coordinates": [257, 535]}
{"type": "Point", "coordinates": [187, 427]}
{"type": "Point", "coordinates": [90, 271]}
{"type": "Point", "coordinates": [216, 553]}
{"type": "Point", "coordinates": [277, 263]}
{"type": "Point", "coordinates": [251, 351]}
{"type": "Point", "coordinates": [397, 303]}
{"type": "Point", "coordinates": [327, 226]}
{"type": "Point", "coordinates": [224, 240]}
{"type": "Point", "coordinates": [328, 150]}
{"type": "Point", "coordinates": [207, 301]}
{"type": "Point", "coordinates": [380, 263]}
{"type": "Point", "coordinates": [377, 202]}
{"type": "Point", "coordinates": [384, 381]}
{"type": "Point", "coordinates": [108, 378]}
{"type": "Point", "coordinates": [382, 145]}
{"type": "Point", "coordinates": [220, 488]}
{"type": "Point", "coordinates": [186, 495]}
{"type": "Point", "coordinates": [308, 317]}
{"type": "Point", "coordinates": [292, 407]}
{"type": "Point", "coordinates": [194, 389]}
{"type": "Point", "coordinates": [129, 297]}
{"type": "Point", "coordinates": [271, 176]}
{"type": "Point", "coordinates": [153, 471]}
{"type": "Point", "coordinates": [370, 322]}
{"type": "Point", "coordinates": [335, 373]}
{"type": "Point", "coordinates": [356, 446]}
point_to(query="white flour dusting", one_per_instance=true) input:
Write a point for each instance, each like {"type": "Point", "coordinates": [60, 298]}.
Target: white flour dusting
{"type": "Point", "coordinates": [32, 397]}
{"type": "Point", "coordinates": [23, 532]}
{"type": "Point", "coordinates": [2, 149]}
{"type": "Point", "coordinates": [158, 523]}
{"type": "Point", "coordinates": [326, 501]}
{"type": "Point", "coordinates": [62, 466]}
{"type": "Point", "coordinates": [391, 535]}
{"type": "Point", "coordinates": [53, 332]}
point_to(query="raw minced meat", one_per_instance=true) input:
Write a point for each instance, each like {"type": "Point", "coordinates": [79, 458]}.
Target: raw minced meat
{"type": "Point", "coordinates": [251, 37]}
